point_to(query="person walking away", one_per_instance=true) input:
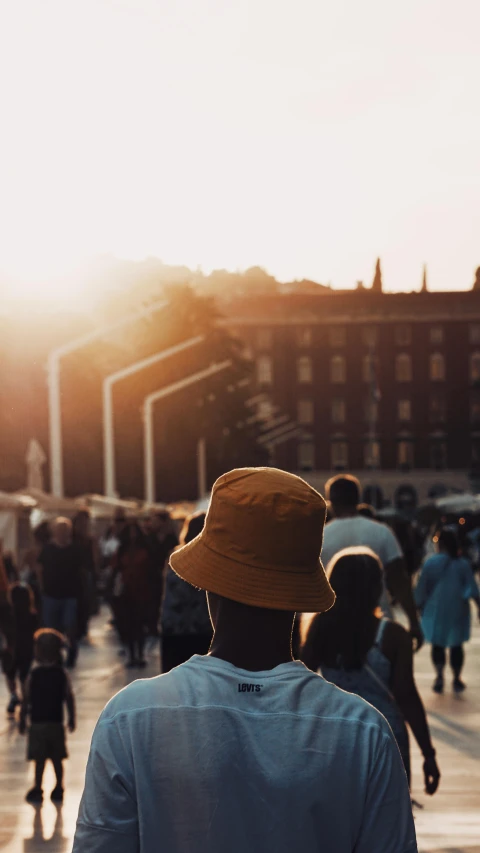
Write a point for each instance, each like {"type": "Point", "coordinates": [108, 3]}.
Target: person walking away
{"type": "Point", "coordinates": [245, 749]}
{"type": "Point", "coordinates": [443, 594]}
{"type": "Point", "coordinates": [186, 625]}
{"type": "Point", "coordinates": [161, 540]}
{"type": "Point", "coordinates": [59, 575]}
{"type": "Point", "coordinates": [42, 534]}
{"type": "Point", "coordinates": [47, 691]}
{"type": "Point", "coordinates": [362, 652]}
{"type": "Point", "coordinates": [132, 592]}
{"type": "Point", "coordinates": [88, 559]}
{"type": "Point", "coordinates": [349, 529]}
{"type": "Point", "coordinates": [17, 663]}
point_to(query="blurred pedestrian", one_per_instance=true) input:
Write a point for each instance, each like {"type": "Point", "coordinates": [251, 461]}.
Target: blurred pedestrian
{"type": "Point", "coordinates": [161, 540]}
{"type": "Point", "coordinates": [349, 529]}
{"type": "Point", "coordinates": [245, 749]}
{"type": "Point", "coordinates": [59, 571]}
{"type": "Point", "coordinates": [42, 534]}
{"type": "Point", "coordinates": [443, 594]}
{"type": "Point", "coordinates": [88, 559]}
{"type": "Point", "coordinates": [360, 651]}
{"type": "Point", "coordinates": [132, 592]}
{"type": "Point", "coordinates": [17, 662]}
{"type": "Point", "coordinates": [186, 625]}
{"type": "Point", "coordinates": [47, 690]}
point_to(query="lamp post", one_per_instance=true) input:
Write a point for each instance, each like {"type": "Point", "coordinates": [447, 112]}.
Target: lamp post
{"type": "Point", "coordinates": [148, 431]}
{"type": "Point", "coordinates": [108, 418]}
{"type": "Point", "coordinates": [54, 396]}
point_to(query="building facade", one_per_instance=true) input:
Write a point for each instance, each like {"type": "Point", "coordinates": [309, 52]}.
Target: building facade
{"type": "Point", "coordinates": [377, 381]}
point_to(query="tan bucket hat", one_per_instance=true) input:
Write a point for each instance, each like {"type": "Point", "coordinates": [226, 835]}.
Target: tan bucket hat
{"type": "Point", "coordinates": [261, 543]}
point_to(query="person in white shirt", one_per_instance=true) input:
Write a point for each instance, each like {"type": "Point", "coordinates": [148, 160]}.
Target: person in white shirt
{"type": "Point", "coordinates": [350, 529]}
{"type": "Point", "coordinates": [246, 750]}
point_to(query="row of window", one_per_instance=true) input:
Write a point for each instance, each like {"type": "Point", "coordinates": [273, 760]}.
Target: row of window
{"type": "Point", "coordinates": [437, 410]}
{"type": "Point", "coordinates": [339, 456]}
{"type": "Point", "coordinates": [338, 368]}
{"type": "Point", "coordinates": [337, 335]}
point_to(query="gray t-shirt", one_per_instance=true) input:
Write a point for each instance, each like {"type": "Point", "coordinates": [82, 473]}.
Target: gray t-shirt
{"type": "Point", "coordinates": [343, 533]}
{"type": "Point", "coordinates": [210, 758]}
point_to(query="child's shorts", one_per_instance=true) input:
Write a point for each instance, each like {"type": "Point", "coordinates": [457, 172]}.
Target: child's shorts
{"type": "Point", "coordinates": [46, 740]}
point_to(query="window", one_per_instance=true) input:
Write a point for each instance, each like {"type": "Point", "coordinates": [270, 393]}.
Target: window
{"type": "Point", "coordinates": [264, 370]}
{"type": "Point", "coordinates": [404, 410]}
{"type": "Point", "coordinates": [475, 367]}
{"type": "Point", "coordinates": [339, 455]}
{"type": "Point", "coordinates": [370, 335]}
{"type": "Point", "coordinates": [438, 455]}
{"type": "Point", "coordinates": [265, 410]}
{"type": "Point", "coordinates": [304, 337]}
{"type": "Point", "coordinates": [475, 454]}
{"type": "Point", "coordinates": [264, 338]}
{"type": "Point", "coordinates": [338, 336]}
{"type": "Point", "coordinates": [403, 335]}
{"type": "Point", "coordinates": [369, 368]}
{"type": "Point", "coordinates": [304, 369]}
{"type": "Point", "coordinates": [438, 409]}
{"type": "Point", "coordinates": [475, 407]}
{"type": "Point", "coordinates": [371, 411]}
{"type": "Point", "coordinates": [437, 367]}
{"type": "Point", "coordinates": [338, 369]}
{"type": "Point", "coordinates": [474, 333]}
{"type": "Point", "coordinates": [338, 411]}
{"type": "Point", "coordinates": [405, 455]}
{"type": "Point", "coordinates": [372, 454]}
{"type": "Point", "coordinates": [436, 335]}
{"type": "Point", "coordinates": [305, 413]}
{"type": "Point", "coordinates": [306, 456]}
{"type": "Point", "coordinates": [403, 367]}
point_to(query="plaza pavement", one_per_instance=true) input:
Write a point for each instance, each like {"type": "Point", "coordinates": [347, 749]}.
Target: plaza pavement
{"type": "Point", "coordinates": [448, 823]}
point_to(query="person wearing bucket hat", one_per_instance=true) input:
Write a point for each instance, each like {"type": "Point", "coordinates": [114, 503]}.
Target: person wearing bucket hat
{"type": "Point", "coordinates": [245, 749]}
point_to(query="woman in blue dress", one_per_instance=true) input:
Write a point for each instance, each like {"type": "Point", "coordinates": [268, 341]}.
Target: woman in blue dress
{"type": "Point", "coordinates": [443, 594]}
{"type": "Point", "coordinates": [363, 653]}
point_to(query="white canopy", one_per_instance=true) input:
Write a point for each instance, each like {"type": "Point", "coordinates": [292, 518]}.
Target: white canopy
{"type": "Point", "coordinates": [464, 502]}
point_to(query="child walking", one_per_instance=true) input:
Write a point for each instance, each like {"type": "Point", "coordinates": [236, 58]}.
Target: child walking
{"type": "Point", "coordinates": [17, 662]}
{"type": "Point", "coordinates": [47, 690]}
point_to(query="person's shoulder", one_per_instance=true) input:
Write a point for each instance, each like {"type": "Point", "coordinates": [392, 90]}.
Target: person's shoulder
{"type": "Point", "coordinates": [347, 709]}
{"type": "Point", "coordinates": [397, 634]}
{"type": "Point", "coordinates": [143, 694]}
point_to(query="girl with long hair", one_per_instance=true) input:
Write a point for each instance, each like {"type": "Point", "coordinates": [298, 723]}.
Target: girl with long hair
{"type": "Point", "coordinates": [357, 649]}
{"type": "Point", "coordinates": [443, 594]}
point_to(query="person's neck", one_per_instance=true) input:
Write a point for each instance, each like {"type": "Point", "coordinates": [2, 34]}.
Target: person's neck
{"type": "Point", "coordinates": [253, 659]}
{"type": "Point", "coordinates": [344, 512]}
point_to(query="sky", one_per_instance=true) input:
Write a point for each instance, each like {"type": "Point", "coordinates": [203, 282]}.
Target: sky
{"type": "Point", "coordinates": [307, 137]}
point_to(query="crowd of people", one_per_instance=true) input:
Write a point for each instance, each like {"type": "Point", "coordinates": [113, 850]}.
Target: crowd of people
{"type": "Point", "coordinates": [254, 555]}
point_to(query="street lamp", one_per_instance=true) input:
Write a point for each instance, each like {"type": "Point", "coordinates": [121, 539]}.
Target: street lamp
{"type": "Point", "coordinates": [148, 433]}
{"type": "Point", "coordinates": [54, 397]}
{"type": "Point", "coordinates": [107, 393]}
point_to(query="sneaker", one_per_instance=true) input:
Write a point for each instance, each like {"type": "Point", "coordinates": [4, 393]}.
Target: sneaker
{"type": "Point", "coordinates": [57, 794]}
{"type": "Point", "coordinates": [458, 685]}
{"type": "Point", "coordinates": [14, 702]}
{"type": "Point", "coordinates": [438, 684]}
{"type": "Point", "coordinates": [35, 795]}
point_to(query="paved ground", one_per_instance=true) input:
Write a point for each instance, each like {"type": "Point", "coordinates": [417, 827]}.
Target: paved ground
{"type": "Point", "coordinates": [448, 823]}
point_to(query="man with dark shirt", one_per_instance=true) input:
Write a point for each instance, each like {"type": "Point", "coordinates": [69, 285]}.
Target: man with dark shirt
{"type": "Point", "coordinates": [59, 571]}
